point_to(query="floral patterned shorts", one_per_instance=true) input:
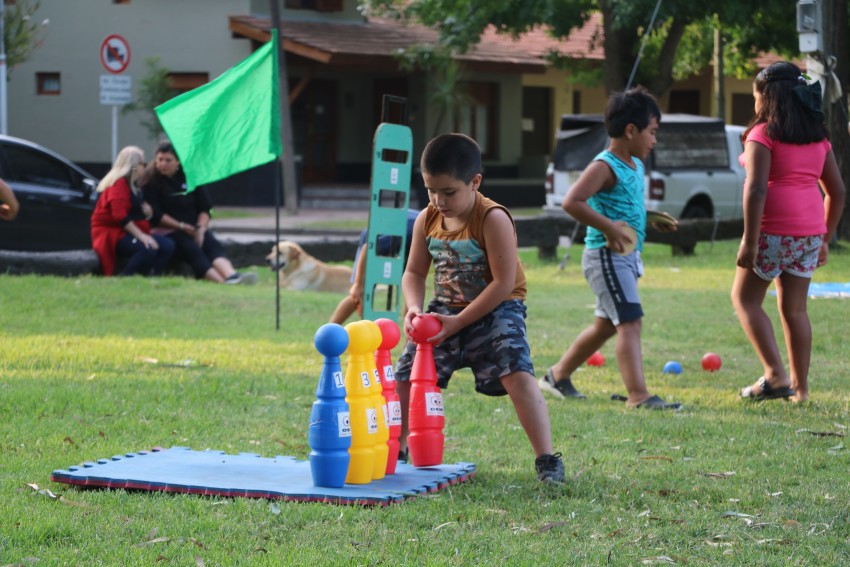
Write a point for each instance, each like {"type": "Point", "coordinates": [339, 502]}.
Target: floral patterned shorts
{"type": "Point", "coordinates": [796, 255]}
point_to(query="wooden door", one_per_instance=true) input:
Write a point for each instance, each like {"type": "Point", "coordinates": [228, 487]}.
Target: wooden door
{"type": "Point", "coordinates": [314, 127]}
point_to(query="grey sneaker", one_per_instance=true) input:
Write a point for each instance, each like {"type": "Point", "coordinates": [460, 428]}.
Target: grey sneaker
{"type": "Point", "coordinates": [561, 388]}
{"type": "Point", "coordinates": [550, 468]}
{"type": "Point", "coordinates": [248, 278]}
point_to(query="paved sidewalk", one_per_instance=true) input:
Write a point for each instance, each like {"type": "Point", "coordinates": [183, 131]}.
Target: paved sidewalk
{"type": "Point", "coordinates": [259, 223]}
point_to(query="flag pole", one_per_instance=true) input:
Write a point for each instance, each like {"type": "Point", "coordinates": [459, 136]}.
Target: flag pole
{"type": "Point", "coordinates": [277, 191]}
{"type": "Point", "coordinates": [288, 177]}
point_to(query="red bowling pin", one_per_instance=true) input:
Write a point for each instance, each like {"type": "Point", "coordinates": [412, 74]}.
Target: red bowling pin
{"type": "Point", "coordinates": [376, 391]}
{"type": "Point", "coordinates": [390, 335]}
{"type": "Point", "coordinates": [426, 415]}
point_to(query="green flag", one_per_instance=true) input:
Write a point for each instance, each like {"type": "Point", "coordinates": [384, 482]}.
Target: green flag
{"type": "Point", "coordinates": [230, 124]}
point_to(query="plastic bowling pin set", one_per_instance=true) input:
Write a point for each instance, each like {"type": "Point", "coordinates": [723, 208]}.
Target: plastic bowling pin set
{"type": "Point", "coordinates": [355, 423]}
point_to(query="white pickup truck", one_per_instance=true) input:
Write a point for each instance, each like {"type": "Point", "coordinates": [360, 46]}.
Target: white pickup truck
{"type": "Point", "coordinates": [693, 171]}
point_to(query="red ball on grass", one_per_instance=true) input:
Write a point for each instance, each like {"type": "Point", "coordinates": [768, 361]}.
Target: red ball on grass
{"type": "Point", "coordinates": [711, 362]}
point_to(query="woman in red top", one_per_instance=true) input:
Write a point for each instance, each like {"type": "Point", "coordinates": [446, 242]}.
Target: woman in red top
{"type": "Point", "coordinates": [119, 224]}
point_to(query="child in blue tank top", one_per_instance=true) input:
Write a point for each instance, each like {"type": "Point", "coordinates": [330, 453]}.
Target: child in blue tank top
{"type": "Point", "coordinates": [609, 199]}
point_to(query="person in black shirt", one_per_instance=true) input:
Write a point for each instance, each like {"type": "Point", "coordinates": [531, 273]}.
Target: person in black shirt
{"type": "Point", "coordinates": [185, 216]}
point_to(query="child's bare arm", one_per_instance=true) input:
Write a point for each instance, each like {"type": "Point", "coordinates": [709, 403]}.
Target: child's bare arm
{"type": "Point", "coordinates": [10, 207]}
{"type": "Point", "coordinates": [833, 202]}
{"type": "Point", "coordinates": [357, 288]}
{"type": "Point", "coordinates": [835, 191]}
{"type": "Point", "coordinates": [596, 177]}
{"type": "Point", "coordinates": [415, 272]}
{"type": "Point", "coordinates": [501, 249]}
{"type": "Point", "coordinates": [757, 160]}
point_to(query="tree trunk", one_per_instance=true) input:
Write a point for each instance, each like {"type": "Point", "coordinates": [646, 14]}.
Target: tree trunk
{"type": "Point", "coordinates": [619, 50]}
{"type": "Point", "coordinates": [663, 80]}
{"type": "Point", "coordinates": [290, 184]}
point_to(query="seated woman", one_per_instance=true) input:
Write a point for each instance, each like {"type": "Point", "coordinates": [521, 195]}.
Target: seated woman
{"type": "Point", "coordinates": [185, 217]}
{"type": "Point", "coordinates": [119, 223]}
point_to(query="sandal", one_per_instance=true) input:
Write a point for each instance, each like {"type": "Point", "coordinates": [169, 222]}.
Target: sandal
{"type": "Point", "coordinates": [766, 391]}
{"type": "Point", "coordinates": [653, 402]}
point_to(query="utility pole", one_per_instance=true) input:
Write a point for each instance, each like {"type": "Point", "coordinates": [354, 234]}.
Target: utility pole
{"type": "Point", "coordinates": [290, 187]}
{"type": "Point", "coordinates": [719, 72]}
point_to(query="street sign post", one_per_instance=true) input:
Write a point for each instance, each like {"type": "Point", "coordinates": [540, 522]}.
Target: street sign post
{"type": "Point", "coordinates": [115, 54]}
{"type": "Point", "coordinates": [115, 90]}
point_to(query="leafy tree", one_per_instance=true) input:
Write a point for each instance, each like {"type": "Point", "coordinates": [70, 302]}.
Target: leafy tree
{"type": "Point", "coordinates": [678, 45]}
{"type": "Point", "coordinates": [154, 89]}
{"type": "Point", "coordinates": [21, 33]}
{"type": "Point", "coordinates": [679, 42]}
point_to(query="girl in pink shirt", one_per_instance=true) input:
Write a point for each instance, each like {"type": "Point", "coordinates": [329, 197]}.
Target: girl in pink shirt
{"type": "Point", "coordinates": [788, 223]}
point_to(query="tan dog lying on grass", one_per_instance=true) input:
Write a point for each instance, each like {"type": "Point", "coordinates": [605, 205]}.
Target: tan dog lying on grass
{"type": "Point", "coordinates": [300, 271]}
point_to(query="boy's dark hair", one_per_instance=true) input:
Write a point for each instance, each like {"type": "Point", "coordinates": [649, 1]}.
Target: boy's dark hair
{"type": "Point", "coordinates": [635, 106]}
{"type": "Point", "coordinates": [456, 155]}
{"type": "Point", "coordinates": [787, 117]}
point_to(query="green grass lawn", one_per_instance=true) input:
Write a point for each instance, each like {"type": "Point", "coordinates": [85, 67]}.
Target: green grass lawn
{"type": "Point", "coordinates": [97, 367]}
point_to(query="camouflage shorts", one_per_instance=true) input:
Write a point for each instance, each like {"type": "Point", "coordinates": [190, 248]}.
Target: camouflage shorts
{"type": "Point", "coordinates": [493, 347]}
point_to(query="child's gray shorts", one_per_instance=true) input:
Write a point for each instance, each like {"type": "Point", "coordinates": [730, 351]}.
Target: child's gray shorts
{"type": "Point", "coordinates": [613, 279]}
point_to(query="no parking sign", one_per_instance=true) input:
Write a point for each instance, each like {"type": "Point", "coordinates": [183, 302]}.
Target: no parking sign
{"type": "Point", "coordinates": [115, 54]}
{"type": "Point", "coordinates": [114, 91]}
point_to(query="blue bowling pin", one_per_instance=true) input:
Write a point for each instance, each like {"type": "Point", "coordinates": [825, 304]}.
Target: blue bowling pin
{"type": "Point", "coordinates": [330, 424]}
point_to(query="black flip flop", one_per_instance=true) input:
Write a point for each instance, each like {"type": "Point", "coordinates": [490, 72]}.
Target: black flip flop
{"type": "Point", "coordinates": [767, 392]}
{"type": "Point", "coordinates": [653, 402]}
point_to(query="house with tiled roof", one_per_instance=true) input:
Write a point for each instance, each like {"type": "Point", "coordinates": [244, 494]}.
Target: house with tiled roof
{"type": "Point", "coordinates": [339, 65]}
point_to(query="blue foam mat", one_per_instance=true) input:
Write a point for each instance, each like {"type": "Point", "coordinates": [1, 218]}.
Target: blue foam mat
{"type": "Point", "coordinates": [181, 469]}
{"type": "Point", "coordinates": [826, 290]}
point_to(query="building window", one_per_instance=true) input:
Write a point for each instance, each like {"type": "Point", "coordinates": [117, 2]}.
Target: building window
{"type": "Point", "coordinates": [48, 83]}
{"type": "Point", "coordinates": [317, 5]}
{"type": "Point", "coordinates": [477, 118]}
{"type": "Point", "coordinates": [184, 82]}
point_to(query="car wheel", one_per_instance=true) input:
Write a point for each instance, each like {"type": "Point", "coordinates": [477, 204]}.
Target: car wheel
{"type": "Point", "coordinates": [695, 212]}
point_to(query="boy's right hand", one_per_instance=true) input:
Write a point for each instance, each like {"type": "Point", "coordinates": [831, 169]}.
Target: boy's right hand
{"type": "Point", "coordinates": [412, 312]}
{"type": "Point", "coordinates": [619, 240]}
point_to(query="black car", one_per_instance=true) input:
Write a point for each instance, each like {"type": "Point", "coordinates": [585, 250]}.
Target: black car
{"type": "Point", "coordinates": [56, 196]}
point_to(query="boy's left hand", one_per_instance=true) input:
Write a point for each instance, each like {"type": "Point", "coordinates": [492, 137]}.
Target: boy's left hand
{"type": "Point", "coordinates": [665, 227]}
{"type": "Point", "coordinates": [661, 221]}
{"type": "Point", "coordinates": [450, 324]}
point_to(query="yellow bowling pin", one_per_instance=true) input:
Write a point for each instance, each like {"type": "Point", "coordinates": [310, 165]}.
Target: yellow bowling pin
{"type": "Point", "coordinates": [377, 393]}
{"type": "Point", "coordinates": [361, 406]}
